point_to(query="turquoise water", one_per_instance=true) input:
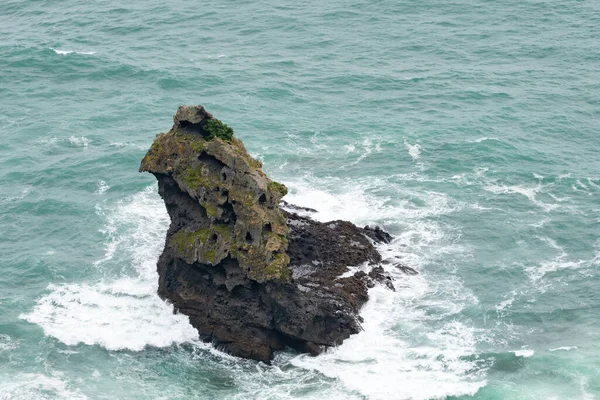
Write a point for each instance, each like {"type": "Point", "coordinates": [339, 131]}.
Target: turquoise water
{"type": "Point", "coordinates": [468, 129]}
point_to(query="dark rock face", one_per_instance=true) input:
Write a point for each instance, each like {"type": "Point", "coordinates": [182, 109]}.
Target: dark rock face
{"type": "Point", "coordinates": [377, 234]}
{"type": "Point", "coordinates": [233, 295]}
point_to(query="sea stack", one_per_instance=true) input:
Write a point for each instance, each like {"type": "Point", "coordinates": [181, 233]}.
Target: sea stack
{"type": "Point", "coordinates": [253, 273]}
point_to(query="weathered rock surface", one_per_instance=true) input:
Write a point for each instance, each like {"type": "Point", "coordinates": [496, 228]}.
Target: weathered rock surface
{"type": "Point", "coordinates": [253, 277]}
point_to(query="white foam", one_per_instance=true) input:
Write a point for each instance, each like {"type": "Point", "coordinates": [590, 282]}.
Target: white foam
{"type": "Point", "coordinates": [504, 304]}
{"type": "Point", "coordinates": [119, 315]}
{"type": "Point", "coordinates": [411, 337]}
{"type": "Point", "coordinates": [584, 387]}
{"type": "Point", "coordinates": [365, 267]}
{"type": "Point", "coordinates": [65, 52]}
{"type": "Point", "coordinates": [421, 352]}
{"type": "Point", "coordinates": [49, 141]}
{"type": "Point", "coordinates": [367, 150]}
{"type": "Point", "coordinates": [546, 267]}
{"type": "Point", "coordinates": [349, 148]}
{"type": "Point", "coordinates": [121, 311]}
{"type": "Point", "coordinates": [102, 187]}
{"type": "Point", "coordinates": [36, 387]}
{"type": "Point", "coordinates": [368, 362]}
{"type": "Point", "coordinates": [414, 150]}
{"type": "Point", "coordinates": [81, 141]}
{"type": "Point", "coordinates": [525, 353]}
{"type": "Point", "coordinates": [354, 203]}
{"type": "Point", "coordinates": [122, 144]}
{"type": "Point", "coordinates": [559, 262]}
{"type": "Point", "coordinates": [7, 343]}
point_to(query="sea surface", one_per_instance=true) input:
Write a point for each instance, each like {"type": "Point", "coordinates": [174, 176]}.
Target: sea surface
{"type": "Point", "coordinates": [469, 129]}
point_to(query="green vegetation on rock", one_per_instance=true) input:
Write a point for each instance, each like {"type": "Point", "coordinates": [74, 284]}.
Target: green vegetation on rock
{"type": "Point", "coordinates": [191, 177]}
{"type": "Point", "coordinates": [211, 209]}
{"type": "Point", "coordinates": [224, 230]}
{"type": "Point", "coordinates": [215, 128]}
{"type": "Point", "coordinates": [183, 241]}
{"type": "Point", "coordinates": [278, 188]}
{"type": "Point", "coordinates": [277, 268]}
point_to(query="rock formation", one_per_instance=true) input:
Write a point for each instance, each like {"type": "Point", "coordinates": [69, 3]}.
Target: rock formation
{"type": "Point", "coordinates": [253, 274]}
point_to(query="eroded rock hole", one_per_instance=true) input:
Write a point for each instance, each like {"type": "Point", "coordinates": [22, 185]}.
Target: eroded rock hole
{"type": "Point", "coordinates": [214, 164]}
{"type": "Point", "coordinates": [262, 199]}
{"type": "Point", "coordinates": [248, 237]}
{"type": "Point", "coordinates": [268, 228]}
{"type": "Point", "coordinates": [189, 126]}
{"type": "Point", "coordinates": [227, 213]}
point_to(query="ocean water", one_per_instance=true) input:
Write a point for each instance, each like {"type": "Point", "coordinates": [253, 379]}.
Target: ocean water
{"type": "Point", "coordinates": [470, 130]}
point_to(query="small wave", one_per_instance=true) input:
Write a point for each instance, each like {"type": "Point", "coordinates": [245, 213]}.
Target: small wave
{"type": "Point", "coordinates": [581, 184]}
{"type": "Point", "coordinates": [560, 262]}
{"type": "Point", "coordinates": [564, 176]}
{"type": "Point", "coordinates": [529, 192]}
{"type": "Point", "coordinates": [121, 145]}
{"type": "Point", "coordinates": [504, 304]}
{"type": "Point", "coordinates": [21, 196]}
{"type": "Point", "coordinates": [564, 348]}
{"type": "Point", "coordinates": [483, 139]}
{"type": "Point", "coordinates": [65, 52]}
{"type": "Point", "coordinates": [559, 199]}
{"type": "Point", "coordinates": [540, 224]}
{"type": "Point", "coordinates": [367, 144]}
{"type": "Point", "coordinates": [48, 141]}
{"type": "Point", "coordinates": [592, 183]}
{"type": "Point", "coordinates": [552, 243]}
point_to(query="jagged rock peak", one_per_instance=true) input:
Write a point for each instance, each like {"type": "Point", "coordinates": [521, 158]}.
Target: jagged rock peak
{"type": "Point", "coordinates": [227, 207]}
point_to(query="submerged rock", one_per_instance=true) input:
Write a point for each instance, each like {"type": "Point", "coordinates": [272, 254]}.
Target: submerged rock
{"type": "Point", "coordinates": [253, 277]}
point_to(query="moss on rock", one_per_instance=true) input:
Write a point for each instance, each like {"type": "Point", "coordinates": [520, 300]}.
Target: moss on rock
{"type": "Point", "coordinates": [279, 188]}
{"type": "Point", "coordinates": [185, 241]}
